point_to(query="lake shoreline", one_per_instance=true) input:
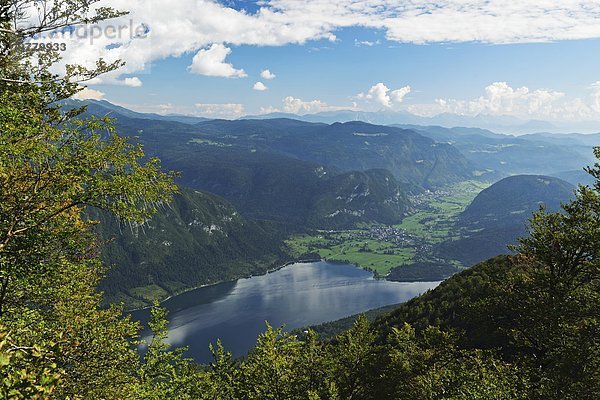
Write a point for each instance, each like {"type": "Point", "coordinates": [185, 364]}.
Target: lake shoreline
{"type": "Point", "coordinates": [268, 271]}
{"type": "Point", "coordinates": [277, 268]}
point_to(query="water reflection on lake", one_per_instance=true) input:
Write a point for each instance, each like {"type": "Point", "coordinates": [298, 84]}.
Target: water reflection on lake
{"type": "Point", "coordinates": [297, 295]}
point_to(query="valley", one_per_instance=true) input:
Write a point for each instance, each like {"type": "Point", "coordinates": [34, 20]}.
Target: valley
{"type": "Point", "coordinates": [396, 201]}
{"type": "Point", "coordinates": [381, 248]}
{"type": "Point", "coordinates": [201, 239]}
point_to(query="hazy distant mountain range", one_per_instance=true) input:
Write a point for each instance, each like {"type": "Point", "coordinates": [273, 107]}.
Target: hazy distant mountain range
{"type": "Point", "coordinates": [495, 155]}
{"type": "Point", "coordinates": [317, 139]}
{"type": "Point", "coordinates": [501, 124]}
{"type": "Point", "coordinates": [103, 107]}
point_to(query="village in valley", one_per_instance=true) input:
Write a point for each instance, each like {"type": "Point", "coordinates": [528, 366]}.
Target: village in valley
{"type": "Point", "coordinates": [381, 248]}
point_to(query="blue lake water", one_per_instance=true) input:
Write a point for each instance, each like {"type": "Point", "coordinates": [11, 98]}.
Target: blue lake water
{"type": "Point", "coordinates": [295, 296]}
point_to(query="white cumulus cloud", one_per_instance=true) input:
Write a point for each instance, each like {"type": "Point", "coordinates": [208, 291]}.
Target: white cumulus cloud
{"type": "Point", "coordinates": [132, 82]}
{"type": "Point", "coordinates": [266, 74]}
{"type": "Point", "coordinates": [260, 86]}
{"type": "Point", "coordinates": [89, 94]}
{"type": "Point", "coordinates": [269, 110]}
{"type": "Point", "coordinates": [297, 106]}
{"type": "Point", "coordinates": [211, 62]}
{"type": "Point", "coordinates": [398, 95]}
{"type": "Point", "coordinates": [595, 87]}
{"type": "Point", "coordinates": [380, 94]}
{"type": "Point", "coordinates": [500, 98]}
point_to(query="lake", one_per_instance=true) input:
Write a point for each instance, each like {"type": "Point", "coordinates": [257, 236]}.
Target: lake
{"type": "Point", "coordinates": [295, 296]}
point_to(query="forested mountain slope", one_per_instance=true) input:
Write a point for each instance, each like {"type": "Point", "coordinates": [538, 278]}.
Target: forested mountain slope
{"type": "Point", "coordinates": [197, 239]}
{"type": "Point", "coordinates": [505, 201]}
{"type": "Point", "coordinates": [409, 156]}
{"type": "Point", "coordinates": [499, 215]}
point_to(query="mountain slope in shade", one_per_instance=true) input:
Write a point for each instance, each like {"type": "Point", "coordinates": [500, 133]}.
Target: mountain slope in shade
{"type": "Point", "coordinates": [274, 187]}
{"type": "Point", "coordinates": [198, 239]}
{"type": "Point", "coordinates": [507, 200]}
{"type": "Point", "coordinates": [499, 215]}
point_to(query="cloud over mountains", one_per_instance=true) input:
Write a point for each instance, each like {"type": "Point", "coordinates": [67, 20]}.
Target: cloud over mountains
{"type": "Point", "coordinates": [209, 28]}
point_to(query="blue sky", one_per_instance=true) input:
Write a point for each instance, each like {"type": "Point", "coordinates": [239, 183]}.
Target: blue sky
{"type": "Point", "coordinates": [532, 62]}
{"type": "Point", "coordinates": [335, 72]}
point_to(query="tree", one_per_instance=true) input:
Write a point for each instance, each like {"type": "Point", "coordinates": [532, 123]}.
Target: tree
{"type": "Point", "coordinates": [313, 370]}
{"type": "Point", "coordinates": [27, 372]}
{"type": "Point", "coordinates": [548, 306]}
{"type": "Point", "coordinates": [54, 164]}
{"type": "Point", "coordinates": [224, 373]}
{"type": "Point", "coordinates": [268, 371]}
{"type": "Point", "coordinates": [165, 373]}
{"type": "Point", "coordinates": [353, 355]}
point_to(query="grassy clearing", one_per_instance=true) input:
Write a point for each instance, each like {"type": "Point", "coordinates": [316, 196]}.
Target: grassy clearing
{"type": "Point", "coordinates": [373, 259]}
{"type": "Point", "coordinates": [148, 293]}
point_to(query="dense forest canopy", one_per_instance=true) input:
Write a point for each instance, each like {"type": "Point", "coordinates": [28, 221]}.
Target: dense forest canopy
{"type": "Point", "coordinates": [513, 327]}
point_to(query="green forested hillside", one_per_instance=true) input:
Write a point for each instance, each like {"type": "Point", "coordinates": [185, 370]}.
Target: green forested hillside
{"type": "Point", "coordinates": [349, 198]}
{"type": "Point", "coordinates": [195, 240]}
{"type": "Point", "coordinates": [410, 157]}
{"type": "Point", "coordinates": [514, 199]}
{"type": "Point", "coordinates": [453, 303]}
{"type": "Point", "coordinates": [271, 186]}
{"type": "Point", "coordinates": [288, 170]}
{"type": "Point", "coordinates": [499, 215]}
